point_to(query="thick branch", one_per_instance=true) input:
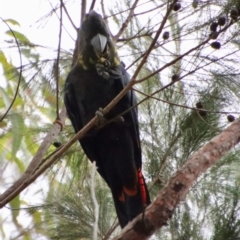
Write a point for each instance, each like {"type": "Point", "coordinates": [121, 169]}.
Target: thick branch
{"type": "Point", "coordinates": [15, 189]}
{"type": "Point", "coordinates": [161, 210]}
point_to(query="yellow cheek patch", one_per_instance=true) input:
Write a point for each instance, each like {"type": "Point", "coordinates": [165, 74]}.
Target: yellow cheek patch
{"type": "Point", "coordinates": [81, 62]}
{"type": "Point", "coordinates": [116, 61]}
{"type": "Point", "coordinates": [102, 60]}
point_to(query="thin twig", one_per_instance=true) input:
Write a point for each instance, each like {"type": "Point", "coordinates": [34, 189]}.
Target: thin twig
{"type": "Point", "coordinates": [176, 104]}
{"type": "Point", "coordinates": [77, 43]}
{"type": "Point", "coordinates": [54, 9]}
{"type": "Point", "coordinates": [57, 61]}
{"type": "Point", "coordinates": [136, 36]}
{"type": "Point", "coordinates": [92, 5]}
{"type": "Point", "coordinates": [180, 57]}
{"type": "Point", "coordinates": [125, 24]}
{"type": "Point", "coordinates": [94, 199]}
{"type": "Point", "coordinates": [69, 18]}
{"type": "Point", "coordinates": [20, 72]}
{"type": "Point", "coordinates": [150, 10]}
{"type": "Point", "coordinates": [104, 12]}
{"type": "Point", "coordinates": [110, 231]}
{"type": "Point", "coordinates": [105, 17]}
{"type": "Point", "coordinates": [154, 41]}
{"type": "Point", "coordinates": [83, 11]}
{"type": "Point", "coordinates": [127, 9]}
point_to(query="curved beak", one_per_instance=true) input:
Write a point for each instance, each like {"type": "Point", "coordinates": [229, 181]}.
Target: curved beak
{"type": "Point", "coordinates": [99, 43]}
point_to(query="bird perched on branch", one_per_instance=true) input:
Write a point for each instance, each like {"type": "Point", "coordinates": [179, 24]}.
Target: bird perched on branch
{"type": "Point", "coordinates": [94, 81]}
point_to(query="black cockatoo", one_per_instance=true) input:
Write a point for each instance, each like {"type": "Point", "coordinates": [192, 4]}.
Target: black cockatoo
{"type": "Point", "coordinates": [94, 81]}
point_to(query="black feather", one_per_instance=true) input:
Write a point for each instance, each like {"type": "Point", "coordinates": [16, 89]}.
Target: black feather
{"type": "Point", "coordinates": [116, 146]}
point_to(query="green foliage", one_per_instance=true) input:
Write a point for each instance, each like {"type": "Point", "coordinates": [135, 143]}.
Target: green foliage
{"type": "Point", "coordinates": [23, 127]}
{"type": "Point", "coordinates": [12, 21]}
{"type": "Point", "coordinates": [15, 204]}
{"type": "Point", "coordinates": [72, 208]}
{"type": "Point", "coordinates": [10, 71]}
{"type": "Point", "coordinates": [172, 128]}
{"type": "Point", "coordinates": [19, 36]}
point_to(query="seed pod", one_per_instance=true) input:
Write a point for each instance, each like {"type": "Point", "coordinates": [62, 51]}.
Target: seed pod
{"type": "Point", "coordinates": [234, 14]}
{"type": "Point", "coordinates": [175, 77]}
{"type": "Point", "coordinates": [57, 144]}
{"type": "Point", "coordinates": [165, 35]}
{"type": "Point", "coordinates": [202, 113]}
{"type": "Point", "coordinates": [176, 6]}
{"type": "Point", "coordinates": [216, 45]}
{"type": "Point", "coordinates": [213, 26]}
{"type": "Point", "coordinates": [230, 118]}
{"type": "Point", "coordinates": [195, 3]}
{"type": "Point", "coordinates": [222, 21]}
{"type": "Point", "coordinates": [199, 105]}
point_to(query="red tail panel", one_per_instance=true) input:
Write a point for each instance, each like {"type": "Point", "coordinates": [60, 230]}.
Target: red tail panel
{"type": "Point", "coordinates": [142, 187]}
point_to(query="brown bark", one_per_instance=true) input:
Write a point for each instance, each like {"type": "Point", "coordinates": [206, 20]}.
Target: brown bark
{"type": "Point", "coordinates": [160, 211]}
{"type": "Point", "coordinates": [18, 186]}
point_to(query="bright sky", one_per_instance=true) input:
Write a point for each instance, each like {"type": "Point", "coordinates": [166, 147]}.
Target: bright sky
{"type": "Point", "coordinates": [28, 12]}
{"type": "Point", "coordinates": [46, 32]}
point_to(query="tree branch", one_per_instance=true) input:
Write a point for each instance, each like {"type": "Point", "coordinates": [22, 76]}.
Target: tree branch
{"type": "Point", "coordinates": [94, 199]}
{"type": "Point", "coordinates": [69, 18]}
{"type": "Point", "coordinates": [16, 188]}
{"type": "Point", "coordinates": [83, 11]}
{"type": "Point", "coordinates": [92, 5]}
{"type": "Point", "coordinates": [161, 210]}
{"type": "Point", "coordinates": [125, 24]}
{"type": "Point", "coordinates": [56, 67]}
